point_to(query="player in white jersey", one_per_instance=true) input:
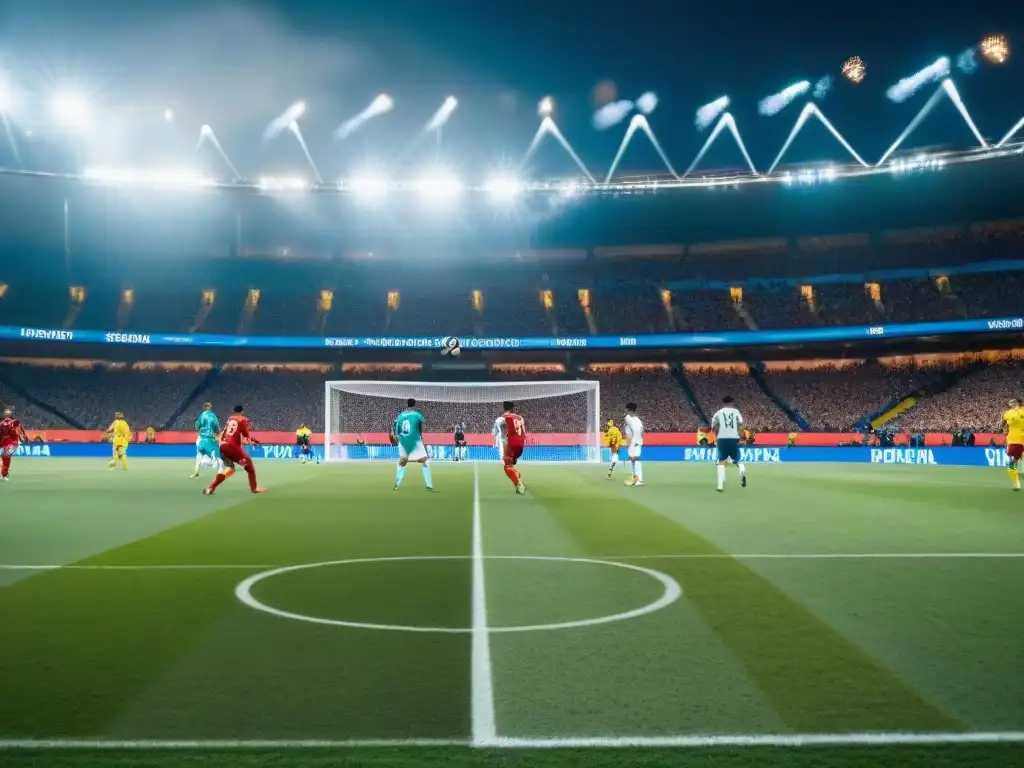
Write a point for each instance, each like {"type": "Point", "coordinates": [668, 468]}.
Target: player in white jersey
{"type": "Point", "coordinates": [635, 441]}
{"type": "Point", "coordinates": [726, 423]}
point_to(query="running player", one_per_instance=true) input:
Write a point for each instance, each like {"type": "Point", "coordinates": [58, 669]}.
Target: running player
{"type": "Point", "coordinates": [11, 435]}
{"type": "Point", "coordinates": [614, 437]}
{"type": "Point", "coordinates": [207, 447]}
{"type": "Point", "coordinates": [303, 438]}
{"type": "Point", "coordinates": [408, 434]}
{"type": "Point", "coordinates": [635, 435]}
{"type": "Point", "coordinates": [235, 434]}
{"type": "Point", "coordinates": [511, 430]}
{"type": "Point", "coordinates": [726, 423]}
{"type": "Point", "coordinates": [1013, 425]}
{"type": "Point", "coordinates": [120, 435]}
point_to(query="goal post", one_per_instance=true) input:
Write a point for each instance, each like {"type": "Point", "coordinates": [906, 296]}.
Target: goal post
{"type": "Point", "coordinates": [562, 418]}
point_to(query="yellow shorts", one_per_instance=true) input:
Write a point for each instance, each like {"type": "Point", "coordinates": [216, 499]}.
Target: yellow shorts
{"type": "Point", "coordinates": [120, 445]}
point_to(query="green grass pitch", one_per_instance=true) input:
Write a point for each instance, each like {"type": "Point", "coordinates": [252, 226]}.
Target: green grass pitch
{"type": "Point", "coordinates": [586, 624]}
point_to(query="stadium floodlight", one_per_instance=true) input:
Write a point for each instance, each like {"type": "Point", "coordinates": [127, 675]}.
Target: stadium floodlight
{"type": "Point", "coordinates": [283, 183]}
{"type": "Point", "coordinates": [71, 109]}
{"type": "Point", "coordinates": [159, 177]}
{"type": "Point", "coordinates": [6, 98]}
{"type": "Point", "coordinates": [503, 188]}
{"type": "Point", "coordinates": [169, 115]}
{"type": "Point", "coordinates": [546, 106]}
{"type": "Point", "coordinates": [367, 187]}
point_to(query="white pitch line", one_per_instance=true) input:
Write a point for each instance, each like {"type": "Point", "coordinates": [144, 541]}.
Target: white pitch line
{"type": "Point", "coordinates": [879, 739]}
{"type": "Point", "coordinates": [691, 556]}
{"type": "Point", "coordinates": [174, 744]}
{"type": "Point", "coordinates": [829, 556]}
{"type": "Point", "coordinates": [870, 739]}
{"type": "Point", "coordinates": [485, 728]}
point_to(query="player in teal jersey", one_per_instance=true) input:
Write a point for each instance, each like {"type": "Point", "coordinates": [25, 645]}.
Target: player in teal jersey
{"type": "Point", "coordinates": [408, 433]}
{"type": "Point", "coordinates": [207, 447]}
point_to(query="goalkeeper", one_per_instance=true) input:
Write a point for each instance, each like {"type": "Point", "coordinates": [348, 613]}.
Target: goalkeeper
{"type": "Point", "coordinates": [461, 450]}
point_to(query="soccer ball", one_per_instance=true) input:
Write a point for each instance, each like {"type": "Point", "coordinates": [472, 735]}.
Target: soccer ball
{"type": "Point", "coordinates": [450, 345]}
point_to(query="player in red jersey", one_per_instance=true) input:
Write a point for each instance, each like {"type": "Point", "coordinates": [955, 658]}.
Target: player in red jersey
{"type": "Point", "coordinates": [510, 429]}
{"type": "Point", "coordinates": [232, 438]}
{"type": "Point", "coordinates": [11, 434]}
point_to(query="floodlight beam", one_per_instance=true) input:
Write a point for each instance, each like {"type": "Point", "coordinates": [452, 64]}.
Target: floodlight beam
{"type": "Point", "coordinates": [646, 128]}
{"type": "Point", "coordinates": [950, 88]}
{"type": "Point", "coordinates": [547, 125]}
{"type": "Point", "coordinates": [719, 127]}
{"type": "Point", "coordinates": [839, 137]}
{"type": "Point", "coordinates": [626, 138]}
{"type": "Point", "coordinates": [1011, 132]}
{"type": "Point", "coordinates": [807, 111]}
{"type": "Point", "coordinates": [731, 124]}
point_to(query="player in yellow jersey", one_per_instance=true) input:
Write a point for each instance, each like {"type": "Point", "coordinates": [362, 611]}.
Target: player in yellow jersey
{"type": "Point", "coordinates": [120, 435]}
{"type": "Point", "coordinates": [1013, 424]}
{"type": "Point", "coordinates": [614, 438]}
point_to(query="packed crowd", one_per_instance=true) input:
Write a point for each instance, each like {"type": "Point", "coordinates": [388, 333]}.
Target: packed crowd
{"type": "Point", "coordinates": [837, 399]}
{"type": "Point", "coordinates": [519, 310]}
{"type": "Point", "coordinates": [977, 403]}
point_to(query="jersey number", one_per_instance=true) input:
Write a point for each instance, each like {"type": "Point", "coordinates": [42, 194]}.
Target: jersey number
{"type": "Point", "coordinates": [729, 420]}
{"type": "Point", "coordinates": [518, 426]}
{"type": "Point", "coordinates": [231, 428]}
{"type": "Point", "coordinates": [406, 429]}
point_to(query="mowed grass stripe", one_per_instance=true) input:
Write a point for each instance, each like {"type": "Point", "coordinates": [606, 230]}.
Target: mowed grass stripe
{"type": "Point", "coordinates": [172, 654]}
{"type": "Point", "coordinates": [817, 679]}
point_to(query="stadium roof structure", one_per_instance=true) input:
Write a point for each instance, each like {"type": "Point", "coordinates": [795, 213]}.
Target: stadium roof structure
{"type": "Point", "coordinates": [503, 187]}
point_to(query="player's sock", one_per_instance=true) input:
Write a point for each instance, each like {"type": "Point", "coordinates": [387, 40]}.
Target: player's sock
{"type": "Point", "coordinates": [5, 466]}
{"type": "Point", "coordinates": [199, 463]}
{"type": "Point", "coordinates": [428, 480]}
{"type": "Point", "coordinates": [228, 472]}
{"type": "Point", "coordinates": [124, 461]}
{"type": "Point", "coordinates": [220, 478]}
{"type": "Point", "coordinates": [1014, 474]}
{"type": "Point", "coordinates": [250, 470]}
{"type": "Point", "coordinates": [399, 475]}
{"type": "Point", "coordinates": [721, 476]}
{"type": "Point", "coordinates": [638, 470]}
{"type": "Point", "coordinates": [742, 469]}
{"type": "Point", "coordinates": [512, 474]}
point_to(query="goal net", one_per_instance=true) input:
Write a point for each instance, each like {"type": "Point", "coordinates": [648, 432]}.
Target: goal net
{"type": "Point", "coordinates": [561, 418]}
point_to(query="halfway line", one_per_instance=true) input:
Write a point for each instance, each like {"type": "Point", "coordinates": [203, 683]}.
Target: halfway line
{"type": "Point", "coordinates": [485, 728]}
{"type": "Point", "coordinates": [879, 739]}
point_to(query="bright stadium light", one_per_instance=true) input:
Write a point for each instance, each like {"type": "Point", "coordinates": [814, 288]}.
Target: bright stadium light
{"type": "Point", "coordinates": [6, 98]}
{"type": "Point", "coordinates": [283, 183]}
{"type": "Point", "coordinates": [503, 188]}
{"type": "Point", "coordinates": [158, 177]}
{"type": "Point", "coordinates": [380, 105]}
{"type": "Point", "coordinates": [169, 115]}
{"type": "Point", "coordinates": [546, 106]}
{"type": "Point", "coordinates": [439, 186]}
{"type": "Point", "coordinates": [72, 109]}
{"type": "Point", "coordinates": [367, 187]}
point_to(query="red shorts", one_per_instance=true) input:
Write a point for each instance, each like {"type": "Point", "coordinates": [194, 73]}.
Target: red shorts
{"type": "Point", "coordinates": [233, 454]}
{"type": "Point", "coordinates": [8, 447]}
{"type": "Point", "coordinates": [512, 453]}
{"type": "Point", "coordinates": [1015, 451]}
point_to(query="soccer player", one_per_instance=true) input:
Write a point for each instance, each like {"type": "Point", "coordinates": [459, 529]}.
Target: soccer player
{"type": "Point", "coordinates": [302, 440]}
{"type": "Point", "coordinates": [614, 437]}
{"type": "Point", "coordinates": [234, 435]}
{"type": "Point", "coordinates": [1013, 424]}
{"type": "Point", "coordinates": [408, 433]}
{"type": "Point", "coordinates": [511, 430]}
{"type": "Point", "coordinates": [207, 447]}
{"type": "Point", "coordinates": [635, 435]}
{"type": "Point", "coordinates": [461, 451]}
{"type": "Point", "coordinates": [726, 423]}
{"type": "Point", "coordinates": [120, 435]}
{"type": "Point", "coordinates": [11, 434]}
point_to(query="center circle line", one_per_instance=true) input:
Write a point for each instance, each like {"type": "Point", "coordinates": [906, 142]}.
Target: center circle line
{"type": "Point", "coordinates": [671, 593]}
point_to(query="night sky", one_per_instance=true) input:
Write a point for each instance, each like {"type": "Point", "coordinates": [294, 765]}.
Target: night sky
{"type": "Point", "coordinates": [237, 66]}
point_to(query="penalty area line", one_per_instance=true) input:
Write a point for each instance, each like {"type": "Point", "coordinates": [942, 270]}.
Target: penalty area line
{"type": "Point", "coordinates": [483, 719]}
{"type": "Point", "coordinates": [225, 744]}
{"type": "Point", "coordinates": [879, 739]}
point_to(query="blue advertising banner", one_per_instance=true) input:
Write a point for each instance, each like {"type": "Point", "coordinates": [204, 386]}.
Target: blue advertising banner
{"type": "Point", "coordinates": [963, 457]}
{"type": "Point", "coordinates": [649, 341]}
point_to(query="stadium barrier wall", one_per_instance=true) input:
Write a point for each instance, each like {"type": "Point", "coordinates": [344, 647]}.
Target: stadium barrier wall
{"type": "Point", "coordinates": [675, 439]}
{"type": "Point", "coordinates": [966, 457]}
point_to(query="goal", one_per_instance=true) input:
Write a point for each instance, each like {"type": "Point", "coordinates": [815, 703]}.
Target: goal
{"type": "Point", "coordinates": [562, 418]}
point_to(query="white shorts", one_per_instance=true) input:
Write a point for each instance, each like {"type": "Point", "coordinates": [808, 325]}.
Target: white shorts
{"type": "Point", "coordinates": [634, 450]}
{"type": "Point", "coordinates": [416, 454]}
